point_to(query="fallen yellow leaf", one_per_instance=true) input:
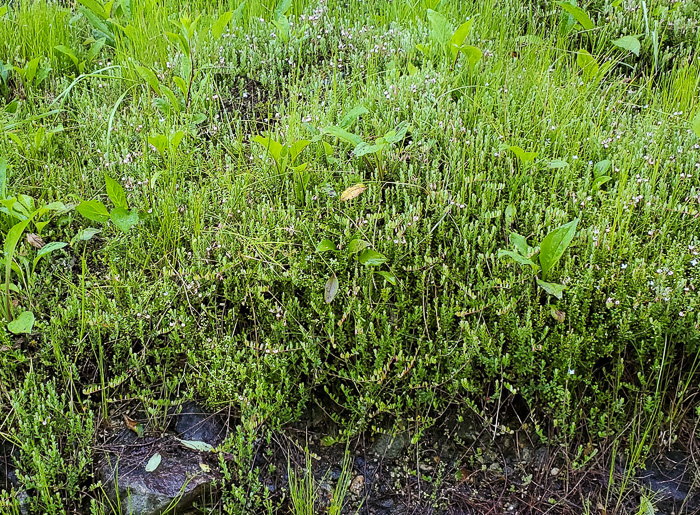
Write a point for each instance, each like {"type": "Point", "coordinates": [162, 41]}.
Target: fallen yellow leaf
{"type": "Point", "coordinates": [352, 192]}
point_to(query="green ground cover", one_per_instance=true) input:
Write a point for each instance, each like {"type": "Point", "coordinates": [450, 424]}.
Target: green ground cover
{"type": "Point", "coordinates": [390, 210]}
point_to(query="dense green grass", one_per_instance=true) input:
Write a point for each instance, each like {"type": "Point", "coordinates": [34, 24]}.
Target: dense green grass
{"type": "Point", "coordinates": [218, 291]}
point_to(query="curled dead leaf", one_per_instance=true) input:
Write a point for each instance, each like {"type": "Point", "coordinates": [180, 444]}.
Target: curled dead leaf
{"type": "Point", "coordinates": [557, 315]}
{"type": "Point", "coordinates": [352, 192]}
{"type": "Point", "coordinates": [35, 240]}
{"type": "Point", "coordinates": [132, 424]}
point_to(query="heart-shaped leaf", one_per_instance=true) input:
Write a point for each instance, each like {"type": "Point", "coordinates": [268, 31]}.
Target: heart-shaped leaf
{"type": "Point", "coordinates": [331, 289]}
{"type": "Point", "coordinates": [153, 462]}
{"type": "Point", "coordinates": [629, 43]}
{"type": "Point", "coordinates": [22, 324]}
{"type": "Point", "coordinates": [124, 219]}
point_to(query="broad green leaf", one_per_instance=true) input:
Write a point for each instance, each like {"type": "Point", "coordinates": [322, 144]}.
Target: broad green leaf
{"type": "Point", "coordinates": [389, 277]}
{"type": "Point", "coordinates": [93, 210]}
{"type": "Point", "coordinates": [370, 257]}
{"type": "Point", "coordinates": [695, 124]}
{"type": "Point", "coordinates": [352, 192]}
{"type": "Point", "coordinates": [85, 234]}
{"type": "Point", "coordinates": [473, 56]}
{"type": "Point", "coordinates": [153, 462]}
{"type": "Point", "coordinates": [522, 155]}
{"type": "Point", "coordinates": [440, 28]}
{"type": "Point", "coordinates": [461, 33]}
{"type": "Point", "coordinates": [50, 247]}
{"type": "Point", "coordinates": [325, 245]}
{"type": "Point", "coordinates": [331, 289]}
{"type": "Point", "coordinates": [219, 25]}
{"type": "Point", "coordinates": [273, 147]}
{"type": "Point", "coordinates": [552, 288]}
{"type": "Point", "coordinates": [172, 99]}
{"type": "Point", "coordinates": [343, 135]}
{"type": "Point", "coordinates": [95, 48]}
{"type": "Point", "coordinates": [23, 324]}
{"type": "Point", "coordinates": [95, 7]}
{"type": "Point", "coordinates": [365, 148]}
{"type": "Point", "coordinates": [556, 164]}
{"type": "Point", "coordinates": [297, 148]}
{"type": "Point", "coordinates": [397, 134]}
{"type": "Point", "coordinates": [197, 445]}
{"type": "Point", "coordinates": [587, 63]}
{"type": "Point", "coordinates": [601, 167]}
{"type": "Point", "coordinates": [629, 43]}
{"type": "Point", "coordinates": [579, 15]}
{"type": "Point", "coordinates": [238, 13]}
{"type": "Point", "coordinates": [517, 258]}
{"type": "Point", "coordinates": [116, 193]}
{"type": "Point", "coordinates": [124, 219]}
{"type": "Point", "coordinates": [352, 116]}
{"type": "Point", "coordinates": [46, 249]}
{"type": "Point", "coordinates": [599, 181]}
{"type": "Point", "coordinates": [181, 84]}
{"type": "Point", "coordinates": [282, 7]}
{"type": "Point", "coordinates": [356, 246]}
{"type": "Point", "coordinates": [3, 178]}
{"type": "Point", "coordinates": [457, 39]}
{"type": "Point", "coordinates": [554, 244]}
{"type": "Point", "coordinates": [176, 139]}
{"type": "Point", "coordinates": [159, 142]}
{"type": "Point", "coordinates": [520, 243]}
{"type": "Point", "coordinates": [178, 41]}
{"type": "Point", "coordinates": [149, 77]}
{"type": "Point", "coordinates": [281, 23]}
{"type": "Point", "coordinates": [68, 52]}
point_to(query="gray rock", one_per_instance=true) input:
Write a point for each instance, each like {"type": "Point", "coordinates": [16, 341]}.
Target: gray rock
{"type": "Point", "coordinates": [390, 447]}
{"type": "Point", "coordinates": [195, 423]}
{"type": "Point", "coordinates": [183, 476]}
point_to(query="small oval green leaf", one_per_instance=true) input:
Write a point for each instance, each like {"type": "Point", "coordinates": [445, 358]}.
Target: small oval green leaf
{"type": "Point", "coordinates": [153, 462]}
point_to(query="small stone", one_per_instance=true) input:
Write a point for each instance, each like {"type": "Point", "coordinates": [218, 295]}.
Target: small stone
{"type": "Point", "coordinates": [390, 447]}
{"type": "Point", "coordinates": [357, 485]}
{"type": "Point", "coordinates": [554, 471]}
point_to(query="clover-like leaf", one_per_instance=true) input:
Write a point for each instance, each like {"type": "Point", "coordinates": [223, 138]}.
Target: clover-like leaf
{"type": "Point", "coordinates": [23, 324]}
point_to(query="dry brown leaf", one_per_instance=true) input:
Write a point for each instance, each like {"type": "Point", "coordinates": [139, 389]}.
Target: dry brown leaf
{"type": "Point", "coordinates": [352, 192]}
{"type": "Point", "coordinates": [35, 240]}
{"type": "Point", "coordinates": [133, 425]}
